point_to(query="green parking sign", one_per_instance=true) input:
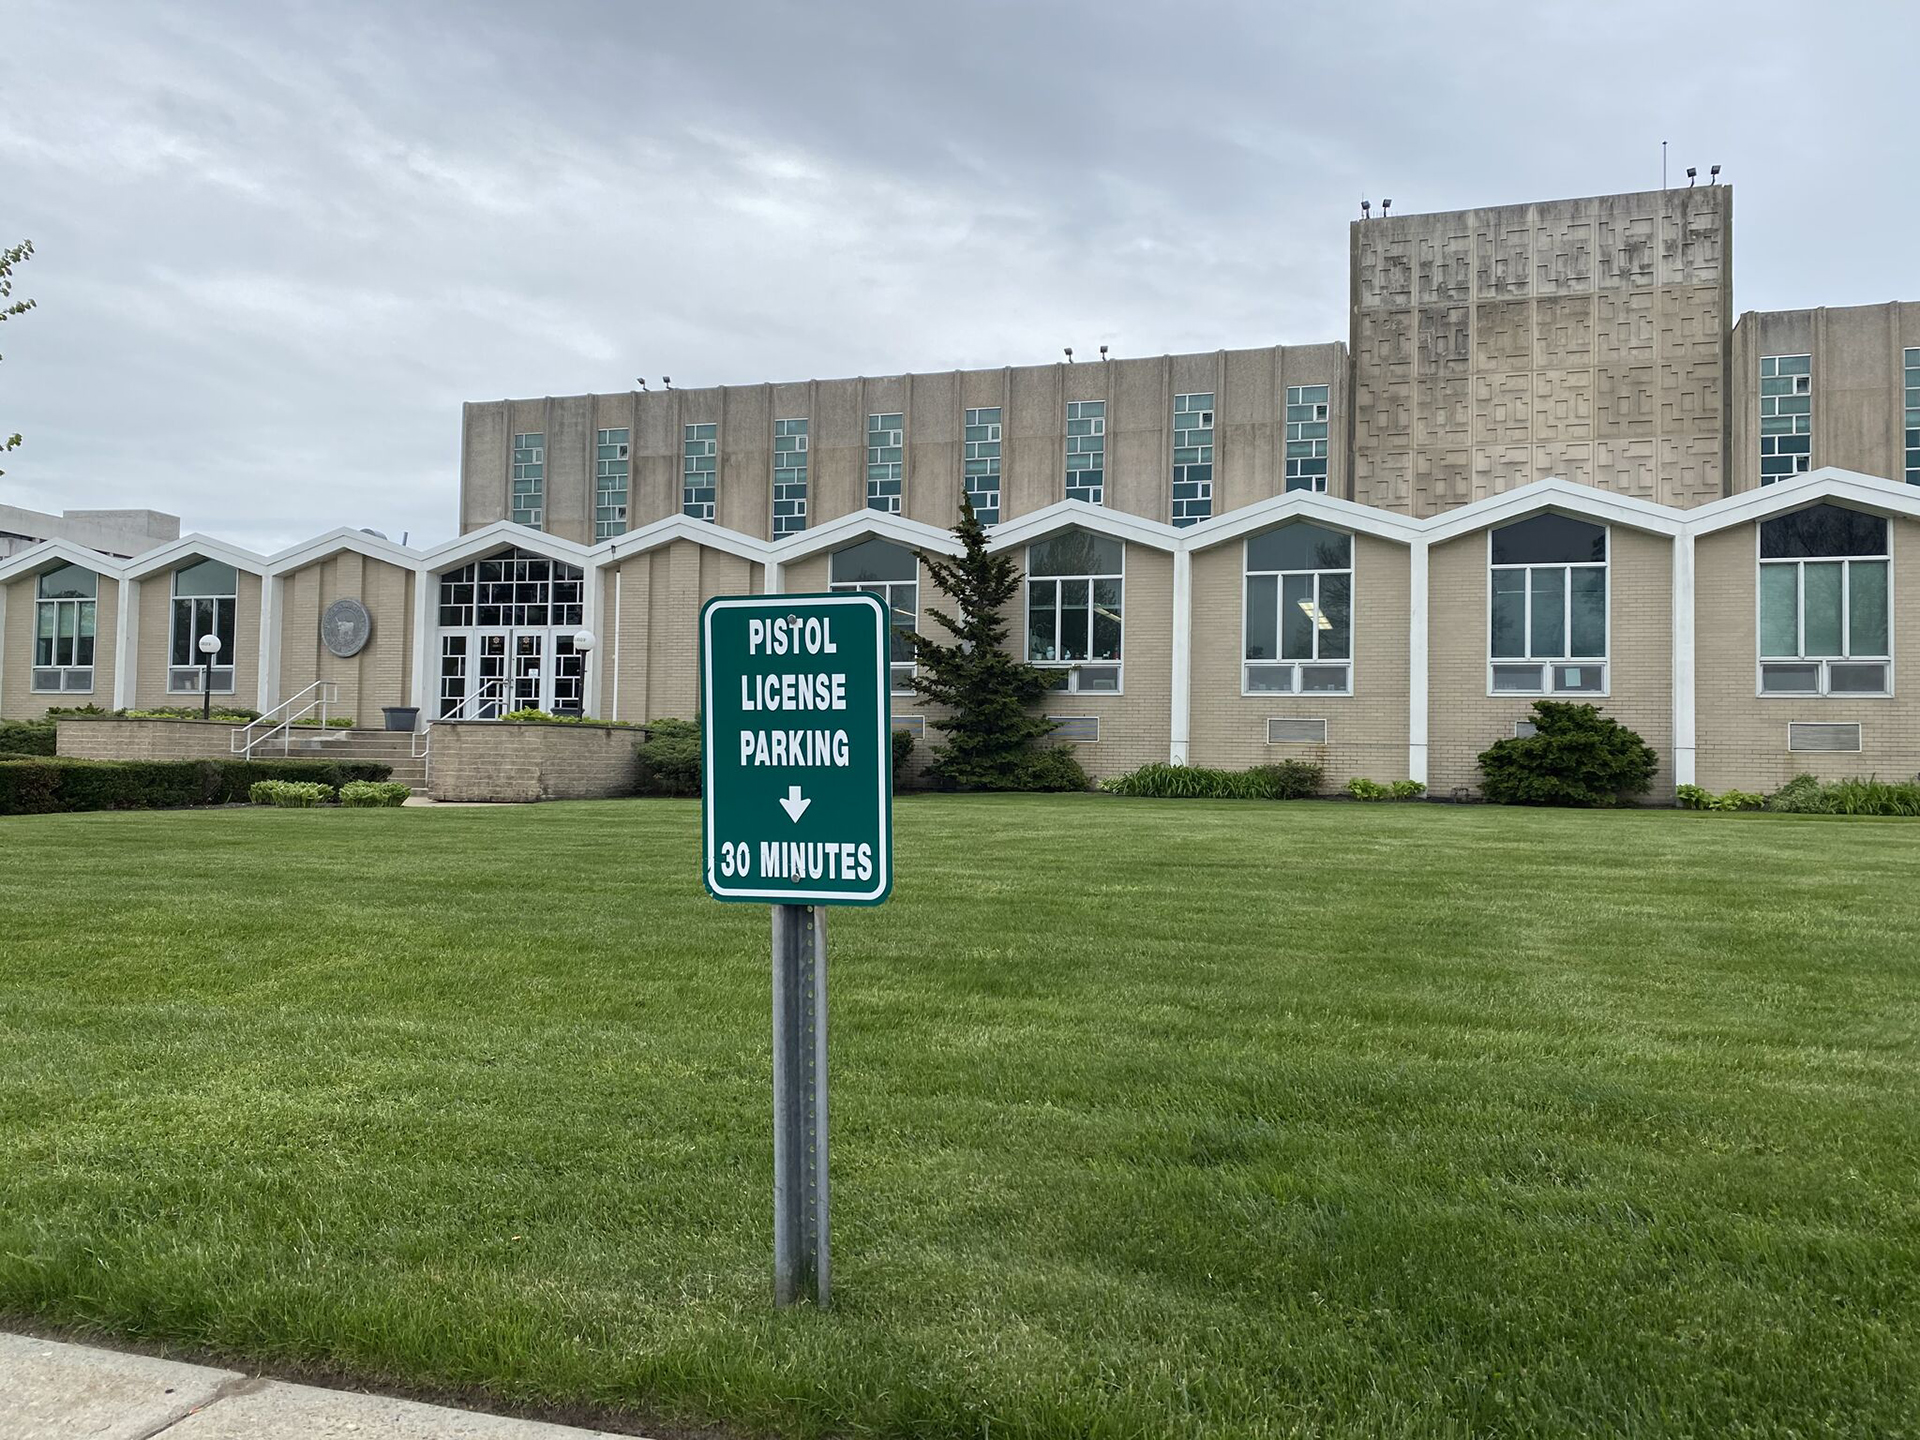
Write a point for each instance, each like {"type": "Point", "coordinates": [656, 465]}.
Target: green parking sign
{"type": "Point", "coordinates": [797, 752]}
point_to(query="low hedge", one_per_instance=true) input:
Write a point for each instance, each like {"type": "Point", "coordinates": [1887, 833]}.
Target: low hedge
{"type": "Point", "coordinates": [1287, 780]}
{"type": "Point", "coordinates": [49, 784]}
{"type": "Point", "coordinates": [291, 794]}
{"type": "Point", "coordinates": [374, 794]}
{"type": "Point", "coordinates": [26, 737]}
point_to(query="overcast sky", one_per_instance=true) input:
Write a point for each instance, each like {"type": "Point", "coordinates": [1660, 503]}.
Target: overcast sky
{"type": "Point", "coordinates": [278, 245]}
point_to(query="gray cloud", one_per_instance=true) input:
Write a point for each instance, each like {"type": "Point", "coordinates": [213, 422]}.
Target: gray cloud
{"type": "Point", "coordinates": [279, 246]}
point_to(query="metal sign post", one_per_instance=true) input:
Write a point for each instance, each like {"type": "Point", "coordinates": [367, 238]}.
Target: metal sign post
{"type": "Point", "coordinates": [797, 810]}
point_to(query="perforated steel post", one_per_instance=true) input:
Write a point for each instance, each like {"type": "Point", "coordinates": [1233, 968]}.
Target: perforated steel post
{"type": "Point", "coordinates": [800, 1267]}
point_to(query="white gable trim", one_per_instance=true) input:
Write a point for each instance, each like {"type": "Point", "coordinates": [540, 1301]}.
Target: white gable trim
{"type": "Point", "coordinates": [194, 547]}
{"type": "Point", "coordinates": [860, 525]}
{"type": "Point", "coordinates": [672, 528]}
{"type": "Point", "coordinates": [338, 542]}
{"type": "Point", "coordinates": [1079, 515]}
{"type": "Point", "coordinates": [1866, 492]}
{"type": "Point", "coordinates": [501, 535]}
{"type": "Point", "coordinates": [1302, 505]}
{"type": "Point", "coordinates": [52, 554]}
{"type": "Point", "coordinates": [1563, 496]}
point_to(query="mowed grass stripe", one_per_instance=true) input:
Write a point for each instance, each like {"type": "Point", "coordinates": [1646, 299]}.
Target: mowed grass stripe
{"type": "Point", "coordinates": [1150, 1118]}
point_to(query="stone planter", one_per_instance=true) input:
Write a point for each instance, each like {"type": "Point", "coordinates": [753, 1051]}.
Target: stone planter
{"type": "Point", "coordinates": [401, 717]}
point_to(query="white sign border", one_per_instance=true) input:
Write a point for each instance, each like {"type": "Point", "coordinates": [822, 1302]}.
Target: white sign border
{"type": "Point", "coordinates": [883, 869]}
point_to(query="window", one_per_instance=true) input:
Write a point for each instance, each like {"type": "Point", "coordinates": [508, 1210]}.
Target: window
{"type": "Point", "coordinates": [1297, 626]}
{"type": "Point", "coordinates": [699, 470]}
{"type": "Point", "coordinates": [1074, 587]}
{"type": "Point", "coordinates": [879, 567]}
{"type": "Point", "coordinates": [1307, 421]}
{"type": "Point", "coordinates": [513, 590]}
{"type": "Point", "coordinates": [530, 480]}
{"type": "Point", "coordinates": [610, 470]}
{"type": "Point", "coordinates": [1786, 416]}
{"type": "Point", "coordinates": [886, 462]}
{"type": "Point", "coordinates": [1087, 451]}
{"type": "Point", "coordinates": [203, 601]}
{"type": "Point", "coordinates": [1912, 359]}
{"type": "Point", "coordinates": [63, 629]}
{"type": "Point", "coordinates": [1823, 603]}
{"type": "Point", "coordinates": [983, 463]}
{"type": "Point", "coordinates": [789, 477]}
{"type": "Point", "coordinates": [1192, 458]}
{"type": "Point", "coordinates": [1548, 607]}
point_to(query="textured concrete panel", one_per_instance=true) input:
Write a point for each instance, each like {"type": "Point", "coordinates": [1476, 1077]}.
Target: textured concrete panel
{"type": "Point", "coordinates": [1503, 336]}
{"type": "Point", "coordinates": [1443, 411]}
{"type": "Point", "coordinates": [1563, 332]}
{"type": "Point", "coordinates": [1502, 408]}
{"type": "Point", "coordinates": [1624, 332]}
{"type": "Point", "coordinates": [1562, 406]}
{"type": "Point", "coordinates": [1632, 464]}
{"type": "Point", "coordinates": [1500, 468]}
{"type": "Point", "coordinates": [1626, 400]}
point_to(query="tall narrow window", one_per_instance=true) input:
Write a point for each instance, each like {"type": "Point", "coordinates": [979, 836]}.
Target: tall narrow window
{"type": "Point", "coordinates": [1087, 451]}
{"type": "Point", "coordinates": [1192, 458]}
{"type": "Point", "coordinates": [611, 470]}
{"type": "Point", "coordinates": [530, 480]}
{"type": "Point", "coordinates": [1307, 422]}
{"type": "Point", "coordinates": [1786, 416]}
{"type": "Point", "coordinates": [1548, 607]}
{"type": "Point", "coordinates": [886, 461]}
{"type": "Point", "coordinates": [1299, 612]}
{"type": "Point", "coordinates": [699, 470]}
{"type": "Point", "coordinates": [1823, 603]}
{"type": "Point", "coordinates": [789, 477]}
{"type": "Point", "coordinates": [879, 567]}
{"type": "Point", "coordinates": [1075, 584]}
{"type": "Point", "coordinates": [204, 595]}
{"type": "Point", "coordinates": [983, 463]}
{"type": "Point", "coordinates": [63, 629]}
{"type": "Point", "coordinates": [1912, 377]}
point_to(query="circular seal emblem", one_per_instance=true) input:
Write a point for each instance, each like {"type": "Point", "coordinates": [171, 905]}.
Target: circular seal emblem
{"type": "Point", "coordinates": [345, 628]}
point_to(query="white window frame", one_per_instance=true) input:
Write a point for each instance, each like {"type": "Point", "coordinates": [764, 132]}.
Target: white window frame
{"type": "Point", "coordinates": [882, 471]}
{"type": "Point", "coordinates": [977, 453]}
{"type": "Point", "coordinates": [1280, 589]}
{"type": "Point", "coordinates": [1078, 447]}
{"type": "Point", "coordinates": [1072, 668]}
{"type": "Point", "coordinates": [1825, 662]}
{"type": "Point", "coordinates": [699, 468]}
{"type": "Point", "coordinates": [71, 678]}
{"type": "Point", "coordinates": [1317, 446]}
{"type": "Point", "coordinates": [531, 471]}
{"type": "Point", "coordinates": [790, 480]}
{"type": "Point", "coordinates": [898, 671]}
{"type": "Point", "coordinates": [189, 679]}
{"type": "Point", "coordinates": [607, 469]}
{"type": "Point", "coordinates": [1550, 664]}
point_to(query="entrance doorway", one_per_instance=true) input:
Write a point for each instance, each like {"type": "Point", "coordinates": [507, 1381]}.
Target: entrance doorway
{"type": "Point", "coordinates": [506, 637]}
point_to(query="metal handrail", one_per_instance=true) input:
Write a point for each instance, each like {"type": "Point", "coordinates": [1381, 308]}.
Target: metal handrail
{"type": "Point", "coordinates": [493, 688]}
{"type": "Point", "coordinates": [320, 694]}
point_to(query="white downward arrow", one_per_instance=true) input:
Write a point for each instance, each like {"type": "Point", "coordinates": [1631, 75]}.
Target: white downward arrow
{"type": "Point", "coordinates": [795, 804]}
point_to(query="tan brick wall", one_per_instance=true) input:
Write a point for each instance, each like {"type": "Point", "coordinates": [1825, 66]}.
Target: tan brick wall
{"type": "Point", "coordinates": [18, 699]}
{"type": "Point", "coordinates": [156, 619]}
{"type": "Point", "coordinates": [382, 673]}
{"type": "Point", "coordinates": [479, 760]}
{"type": "Point", "coordinates": [1742, 737]}
{"type": "Point", "coordinates": [651, 632]}
{"type": "Point", "coordinates": [1463, 719]}
{"type": "Point", "coordinates": [105, 739]}
{"type": "Point", "coordinates": [1366, 731]}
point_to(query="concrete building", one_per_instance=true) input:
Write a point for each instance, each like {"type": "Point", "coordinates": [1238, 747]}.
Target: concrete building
{"type": "Point", "coordinates": [120, 533]}
{"type": "Point", "coordinates": [1544, 464]}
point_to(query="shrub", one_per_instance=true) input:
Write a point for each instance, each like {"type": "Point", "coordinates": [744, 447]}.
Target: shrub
{"type": "Point", "coordinates": [54, 783]}
{"type": "Point", "coordinates": [1576, 756]}
{"type": "Point", "coordinates": [669, 758]}
{"type": "Point", "coordinates": [547, 717]}
{"type": "Point", "coordinates": [27, 737]}
{"type": "Point", "coordinates": [1695, 797]}
{"type": "Point", "coordinates": [902, 748]}
{"type": "Point", "coordinates": [374, 794]}
{"type": "Point", "coordinates": [1361, 789]}
{"type": "Point", "coordinates": [1051, 768]}
{"type": "Point", "coordinates": [1805, 795]}
{"type": "Point", "coordinates": [1407, 789]}
{"type": "Point", "coordinates": [289, 794]}
{"type": "Point", "coordinates": [334, 722]}
{"type": "Point", "coordinates": [224, 714]}
{"type": "Point", "coordinates": [1287, 780]}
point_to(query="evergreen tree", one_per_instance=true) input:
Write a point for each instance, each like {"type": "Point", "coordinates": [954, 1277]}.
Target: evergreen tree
{"type": "Point", "coordinates": [992, 732]}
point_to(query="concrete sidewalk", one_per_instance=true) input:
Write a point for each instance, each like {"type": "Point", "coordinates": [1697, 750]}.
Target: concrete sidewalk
{"type": "Point", "coordinates": [50, 1390]}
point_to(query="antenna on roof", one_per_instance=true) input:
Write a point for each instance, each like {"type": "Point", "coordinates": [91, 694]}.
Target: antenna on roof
{"type": "Point", "coordinates": [1663, 164]}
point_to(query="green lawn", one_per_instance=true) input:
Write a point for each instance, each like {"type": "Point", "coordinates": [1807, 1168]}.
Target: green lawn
{"type": "Point", "coordinates": [1150, 1118]}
